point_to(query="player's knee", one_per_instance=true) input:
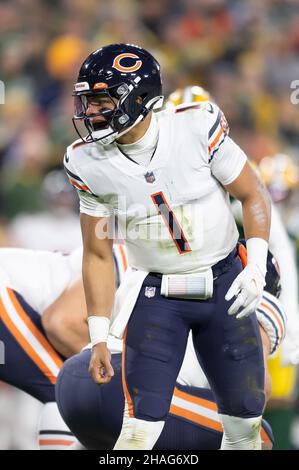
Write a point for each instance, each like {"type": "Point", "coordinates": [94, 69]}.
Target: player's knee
{"type": "Point", "coordinates": [243, 403]}
{"type": "Point", "coordinates": [151, 407]}
{"type": "Point", "coordinates": [241, 433]}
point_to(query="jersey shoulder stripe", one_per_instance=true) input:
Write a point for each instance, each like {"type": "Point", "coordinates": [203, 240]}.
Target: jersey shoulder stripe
{"type": "Point", "coordinates": [72, 175]}
{"type": "Point", "coordinates": [77, 182]}
{"type": "Point", "coordinates": [215, 125]}
{"type": "Point", "coordinates": [217, 134]}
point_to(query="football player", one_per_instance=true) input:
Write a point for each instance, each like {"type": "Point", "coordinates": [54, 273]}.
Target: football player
{"type": "Point", "coordinates": [94, 414]}
{"type": "Point", "coordinates": [168, 177]}
{"type": "Point", "coordinates": [50, 324]}
{"type": "Point", "coordinates": [32, 284]}
{"type": "Point", "coordinates": [280, 175]}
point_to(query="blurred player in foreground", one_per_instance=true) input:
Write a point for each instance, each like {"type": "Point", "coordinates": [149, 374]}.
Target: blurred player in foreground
{"type": "Point", "coordinates": [43, 320]}
{"type": "Point", "coordinates": [94, 413]}
{"type": "Point", "coordinates": [32, 283]}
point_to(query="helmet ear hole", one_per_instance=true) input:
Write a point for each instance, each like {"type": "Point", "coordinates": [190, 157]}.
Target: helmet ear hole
{"type": "Point", "coordinates": [139, 99]}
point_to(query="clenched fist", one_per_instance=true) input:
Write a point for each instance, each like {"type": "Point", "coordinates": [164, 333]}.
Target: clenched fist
{"type": "Point", "coordinates": [100, 367]}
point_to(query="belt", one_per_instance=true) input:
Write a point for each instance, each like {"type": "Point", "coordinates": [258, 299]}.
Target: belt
{"type": "Point", "coordinates": [219, 268]}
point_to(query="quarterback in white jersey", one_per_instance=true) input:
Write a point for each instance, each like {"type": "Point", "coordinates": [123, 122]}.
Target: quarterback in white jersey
{"type": "Point", "coordinates": [178, 175]}
{"type": "Point", "coordinates": [168, 177]}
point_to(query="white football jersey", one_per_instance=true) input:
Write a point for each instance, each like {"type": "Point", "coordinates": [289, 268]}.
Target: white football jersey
{"type": "Point", "coordinates": [42, 276]}
{"type": "Point", "coordinates": [46, 231]}
{"type": "Point", "coordinates": [174, 213]}
{"type": "Point", "coordinates": [39, 276]}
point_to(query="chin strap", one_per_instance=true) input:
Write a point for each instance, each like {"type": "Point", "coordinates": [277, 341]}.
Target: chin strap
{"type": "Point", "coordinates": [154, 104]}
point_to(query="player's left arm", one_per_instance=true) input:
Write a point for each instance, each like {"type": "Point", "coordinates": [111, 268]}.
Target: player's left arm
{"type": "Point", "coordinates": [256, 206]}
{"type": "Point", "coordinates": [229, 165]}
{"type": "Point", "coordinates": [248, 286]}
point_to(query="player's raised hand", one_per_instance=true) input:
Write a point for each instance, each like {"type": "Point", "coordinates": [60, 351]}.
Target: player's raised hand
{"type": "Point", "coordinates": [248, 289]}
{"type": "Point", "coordinates": [100, 367]}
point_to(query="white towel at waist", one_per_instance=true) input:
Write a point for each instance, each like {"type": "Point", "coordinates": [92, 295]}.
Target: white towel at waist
{"type": "Point", "coordinates": [125, 300]}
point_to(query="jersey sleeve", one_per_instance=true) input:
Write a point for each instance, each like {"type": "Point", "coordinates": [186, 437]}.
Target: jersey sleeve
{"type": "Point", "coordinates": [89, 202]}
{"type": "Point", "coordinates": [4, 278]}
{"type": "Point", "coordinates": [225, 157]}
{"type": "Point", "coordinates": [90, 205]}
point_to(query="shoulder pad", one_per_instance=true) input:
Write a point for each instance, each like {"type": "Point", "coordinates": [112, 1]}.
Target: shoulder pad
{"type": "Point", "coordinates": [71, 169]}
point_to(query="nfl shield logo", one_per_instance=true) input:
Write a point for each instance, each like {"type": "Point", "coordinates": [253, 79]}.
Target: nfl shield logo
{"type": "Point", "coordinates": [150, 292]}
{"type": "Point", "coordinates": [149, 177]}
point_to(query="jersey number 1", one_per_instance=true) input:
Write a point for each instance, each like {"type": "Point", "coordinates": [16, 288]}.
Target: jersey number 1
{"type": "Point", "coordinates": [171, 222]}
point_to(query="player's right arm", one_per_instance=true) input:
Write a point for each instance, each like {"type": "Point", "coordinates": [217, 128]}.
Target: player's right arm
{"type": "Point", "coordinates": [97, 266]}
{"type": "Point", "coordinates": [99, 282]}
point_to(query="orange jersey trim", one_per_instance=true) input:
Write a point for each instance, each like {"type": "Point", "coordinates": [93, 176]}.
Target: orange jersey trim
{"type": "Point", "coordinates": [186, 243]}
{"type": "Point", "coordinates": [275, 315]}
{"type": "Point", "coordinates": [53, 442]}
{"type": "Point", "coordinates": [215, 140]}
{"type": "Point", "coordinates": [242, 252]}
{"type": "Point", "coordinates": [123, 257]}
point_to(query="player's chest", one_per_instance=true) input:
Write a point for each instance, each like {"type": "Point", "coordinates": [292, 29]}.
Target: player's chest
{"type": "Point", "coordinates": [177, 171]}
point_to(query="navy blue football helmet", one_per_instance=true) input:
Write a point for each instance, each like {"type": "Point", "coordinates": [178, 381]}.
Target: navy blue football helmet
{"type": "Point", "coordinates": [126, 75]}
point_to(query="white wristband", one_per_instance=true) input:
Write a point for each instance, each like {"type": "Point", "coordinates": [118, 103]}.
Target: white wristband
{"type": "Point", "coordinates": [257, 252]}
{"type": "Point", "coordinates": [98, 329]}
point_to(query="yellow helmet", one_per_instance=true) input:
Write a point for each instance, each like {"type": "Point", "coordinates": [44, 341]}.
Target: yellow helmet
{"type": "Point", "coordinates": [189, 94]}
{"type": "Point", "coordinates": [280, 174]}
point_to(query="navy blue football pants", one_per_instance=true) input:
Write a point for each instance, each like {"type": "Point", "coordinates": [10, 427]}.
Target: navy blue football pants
{"type": "Point", "coordinates": [94, 413]}
{"type": "Point", "coordinates": [229, 350]}
{"type": "Point", "coordinates": [30, 361]}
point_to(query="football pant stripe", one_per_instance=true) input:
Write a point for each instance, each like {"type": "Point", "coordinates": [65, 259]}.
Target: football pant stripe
{"type": "Point", "coordinates": [34, 330]}
{"type": "Point", "coordinates": [191, 398]}
{"type": "Point", "coordinates": [42, 357]}
{"type": "Point", "coordinates": [128, 398]}
{"type": "Point", "coordinates": [195, 418]}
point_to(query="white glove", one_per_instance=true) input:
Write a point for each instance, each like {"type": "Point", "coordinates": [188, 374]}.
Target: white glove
{"type": "Point", "coordinates": [248, 288]}
{"type": "Point", "coordinates": [290, 349]}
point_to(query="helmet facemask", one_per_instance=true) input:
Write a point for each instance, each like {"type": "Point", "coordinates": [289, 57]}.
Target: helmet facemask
{"type": "Point", "coordinates": [97, 129]}
{"type": "Point", "coordinates": [124, 113]}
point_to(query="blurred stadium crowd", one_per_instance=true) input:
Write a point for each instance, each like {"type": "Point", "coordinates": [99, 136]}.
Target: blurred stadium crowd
{"type": "Point", "coordinates": [246, 53]}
